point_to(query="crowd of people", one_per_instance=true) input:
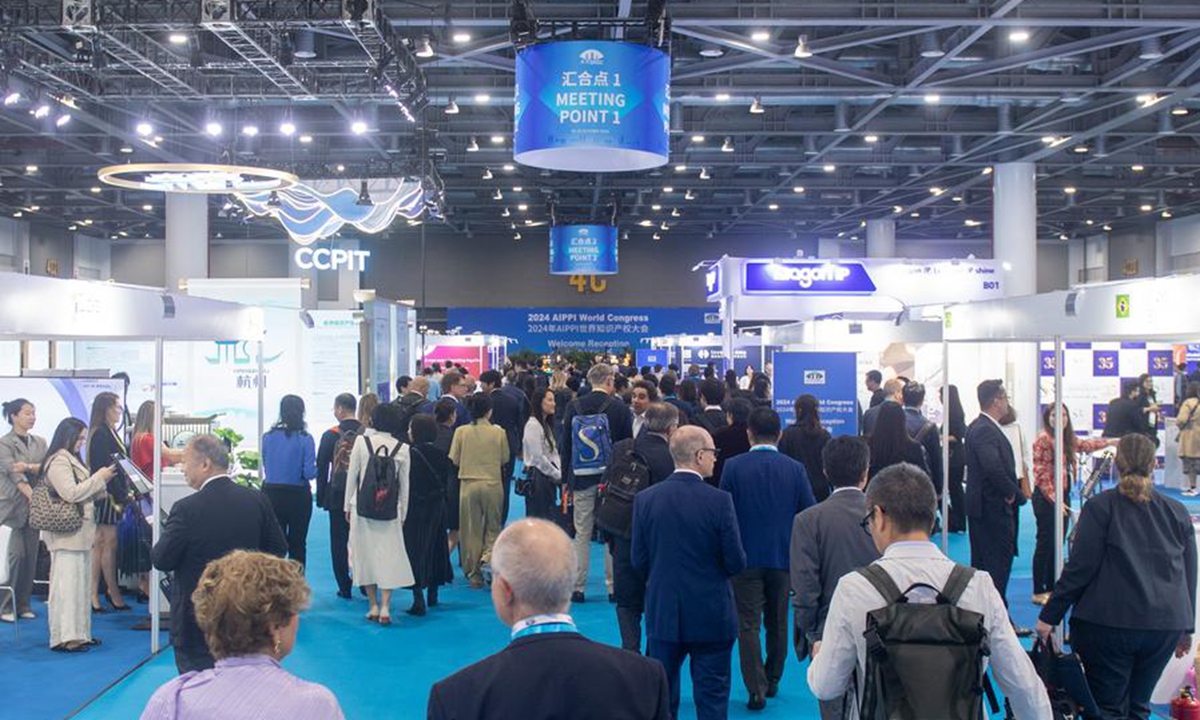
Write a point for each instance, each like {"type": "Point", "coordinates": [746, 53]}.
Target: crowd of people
{"type": "Point", "coordinates": [714, 520]}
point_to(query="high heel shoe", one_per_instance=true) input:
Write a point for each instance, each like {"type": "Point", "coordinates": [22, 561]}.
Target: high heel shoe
{"type": "Point", "coordinates": [123, 607]}
{"type": "Point", "coordinates": [99, 609]}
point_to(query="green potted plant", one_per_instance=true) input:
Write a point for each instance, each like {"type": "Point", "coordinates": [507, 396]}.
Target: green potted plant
{"type": "Point", "coordinates": [246, 462]}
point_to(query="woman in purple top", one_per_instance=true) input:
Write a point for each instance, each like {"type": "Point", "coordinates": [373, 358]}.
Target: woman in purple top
{"type": "Point", "coordinates": [248, 605]}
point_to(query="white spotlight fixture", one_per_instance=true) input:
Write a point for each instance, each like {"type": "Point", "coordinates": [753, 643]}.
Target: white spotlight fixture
{"type": "Point", "coordinates": [177, 39]}
{"type": "Point", "coordinates": [704, 174]}
{"type": "Point", "coordinates": [62, 120]}
{"type": "Point", "coordinates": [668, 189]}
{"type": "Point", "coordinates": [936, 190]}
{"type": "Point", "coordinates": [31, 169]}
{"type": "Point", "coordinates": [1166, 214]}
{"type": "Point", "coordinates": [829, 167]}
{"type": "Point", "coordinates": [340, 168]}
{"type": "Point", "coordinates": [1106, 227]}
{"type": "Point", "coordinates": [802, 50]}
{"type": "Point", "coordinates": [461, 37]}
{"type": "Point", "coordinates": [681, 168]}
{"type": "Point", "coordinates": [760, 36]}
{"type": "Point", "coordinates": [930, 47]}
{"type": "Point", "coordinates": [287, 128]}
{"type": "Point", "coordinates": [646, 223]}
{"type": "Point", "coordinates": [12, 98]}
{"type": "Point", "coordinates": [148, 208]}
{"type": "Point", "coordinates": [689, 195]}
{"type": "Point", "coordinates": [95, 188]}
{"type": "Point", "coordinates": [358, 127]}
{"type": "Point", "coordinates": [250, 130]}
{"type": "Point", "coordinates": [144, 129]}
{"type": "Point", "coordinates": [675, 212]}
{"type": "Point", "coordinates": [1018, 36]}
{"type": "Point", "coordinates": [656, 236]}
{"type": "Point", "coordinates": [932, 98]}
{"type": "Point", "coordinates": [1151, 49]}
{"type": "Point", "coordinates": [483, 98]}
{"type": "Point", "coordinates": [727, 146]}
{"type": "Point", "coordinates": [516, 236]}
{"type": "Point", "coordinates": [472, 145]}
{"type": "Point", "coordinates": [497, 139]}
{"type": "Point", "coordinates": [127, 149]}
{"type": "Point", "coordinates": [306, 139]}
{"type": "Point", "coordinates": [487, 174]}
{"type": "Point", "coordinates": [756, 107]}
{"type": "Point", "coordinates": [1179, 111]}
{"type": "Point", "coordinates": [773, 206]}
{"type": "Point", "coordinates": [722, 97]}
{"type": "Point", "coordinates": [506, 213]}
{"type": "Point", "coordinates": [799, 189]}
{"type": "Point", "coordinates": [1070, 190]}
{"type": "Point", "coordinates": [41, 111]}
{"type": "Point", "coordinates": [518, 188]}
{"type": "Point", "coordinates": [697, 138]}
{"type": "Point", "coordinates": [656, 207]}
{"type": "Point", "coordinates": [508, 167]}
{"type": "Point", "coordinates": [497, 195]}
{"type": "Point", "coordinates": [522, 207]}
{"type": "Point", "coordinates": [424, 48]}
{"type": "Point", "coordinates": [987, 171]}
{"type": "Point", "coordinates": [452, 107]}
{"type": "Point", "coordinates": [213, 128]}
{"type": "Point", "coordinates": [1081, 149]}
{"type": "Point", "coordinates": [1146, 207]}
{"type": "Point", "coordinates": [871, 138]}
{"type": "Point", "coordinates": [1137, 168]}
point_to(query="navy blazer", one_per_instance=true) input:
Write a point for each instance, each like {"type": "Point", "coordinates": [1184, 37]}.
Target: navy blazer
{"type": "Point", "coordinates": [687, 545]}
{"type": "Point", "coordinates": [506, 412]}
{"type": "Point", "coordinates": [768, 489]}
{"type": "Point", "coordinates": [991, 471]}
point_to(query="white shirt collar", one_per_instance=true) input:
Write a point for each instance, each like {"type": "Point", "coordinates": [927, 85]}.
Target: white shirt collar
{"type": "Point", "coordinates": [214, 477]}
{"type": "Point", "coordinates": [686, 470]}
{"type": "Point", "coordinates": [848, 487]}
{"type": "Point", "coordinates": [713, 407]}
{"type": "Point", "coordinates": [913, 549]}
{"type": "Point", "coordinates": [994, 420]}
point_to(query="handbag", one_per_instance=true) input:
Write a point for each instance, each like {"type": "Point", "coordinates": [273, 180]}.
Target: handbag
{"type": "Point", "coordinates": [49, 512]}
{"type": "Point", "coordinates": [1065, 681]}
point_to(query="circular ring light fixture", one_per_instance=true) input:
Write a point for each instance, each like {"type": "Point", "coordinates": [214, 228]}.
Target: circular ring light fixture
{"type": "Point", "coordinates": [196, 178]}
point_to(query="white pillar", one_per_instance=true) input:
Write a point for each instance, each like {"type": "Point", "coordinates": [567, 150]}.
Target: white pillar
{"type": "Point", "coordinates": [881, 238]}
{"type": "Point", "coordinates": [828, 248]}
{"type": "Point", "coordinates": [1014, 222]}
{"type": "Point", "coordinates": [187, 238]}
{"type": "Point", "coordinates": [1164, 262]}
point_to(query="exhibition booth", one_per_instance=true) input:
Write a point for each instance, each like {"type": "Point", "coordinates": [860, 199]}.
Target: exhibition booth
{"type": "Point", "coordinates": [37, 309]}
{"type": "Point", "coordinates": [475, 351]}
{"type": "Point", "coordinates": [749, 350]}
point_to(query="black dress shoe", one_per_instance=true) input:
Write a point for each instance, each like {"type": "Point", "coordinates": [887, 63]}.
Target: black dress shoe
{"type": "Point", "coordinates": [757, 702]}
{"type": "Point", "coordinates": [577, 597]}
{"type": "Point", "coordinates": [1022, 631]}
{"type": "Point", "coordinates": [772, 688]}
{"type": "Point", "coordinates": [612, 599]}
{"type": "Point", "coordinates": [344, 594]}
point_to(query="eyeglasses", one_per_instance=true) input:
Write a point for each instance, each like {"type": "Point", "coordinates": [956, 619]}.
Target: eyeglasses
{"type": "Point", "coordinates": [712, 450]}
{"type": "Point", "coordinates": [865, 523]}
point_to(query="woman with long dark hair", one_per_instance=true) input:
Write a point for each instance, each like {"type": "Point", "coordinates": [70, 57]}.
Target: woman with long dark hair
{"type": "Point", "coordinates": [70, 566]}
{"type": "Point", "coordinates": [760, 391]}
{"type": "Point", "coordinates": [289, 460]}
{"type": "Point", "coordinates": [540, 455]}
{"type": "Point", "coordinates": [1147, 400]}
{"type": "Point", "coordinates": [890, 443]}
{"type": "Point", "coordinates": [689, 398]}
{"type": "Point", "coordinates": [21, 455]}
{"type": "Point", "coordinates": [956, 428]}
{"type": "Point", "coordinates": [1043, 493]}
{"type": "Point", "coordinates": [103, 442]}
{"type": "Point", "coordinates": [731, 384]}
{"type": "Point", "coordinates": [804, 440]}
{"type": "Point", "coordinates": [425, 527]}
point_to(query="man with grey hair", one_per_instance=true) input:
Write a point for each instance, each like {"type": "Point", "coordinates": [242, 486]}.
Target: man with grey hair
{"type": "Point", "coordinates": [600, 414]}
{"type": "Point", "coordinates": [687, 545]}
{"type": "Point", "coordinates": [549, 670]}
{"type": "Point", "coordinates": [893, 391]}
{"type": "Point", "coordinates": [221, 516]}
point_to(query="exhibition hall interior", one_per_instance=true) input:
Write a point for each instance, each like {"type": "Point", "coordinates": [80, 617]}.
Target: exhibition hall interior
{"type": "Point", "coordinates": [508, 359]}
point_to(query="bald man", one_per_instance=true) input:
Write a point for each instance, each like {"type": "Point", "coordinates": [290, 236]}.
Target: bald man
{"type": "Point", "coordinates": [548, 669]}
{"type": "Point", "coordinates": [687, 545]}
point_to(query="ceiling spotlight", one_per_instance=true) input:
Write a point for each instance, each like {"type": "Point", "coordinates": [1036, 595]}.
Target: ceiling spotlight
{"type": "Point", "coordinates": [213, 129]}
{"type": "Point", "coordinates": [1166, 214]}
{"type": "Point", "coordinates": [799, 189]}
{"type": "Point", "coordinates": [1064, 236]}
{"type": "Point", "coordinates": [1018, 36]}
{"type": "Point", "coordinates": [364, 196]}
{"type": "Point", "coordinates": [760, 36]}
{"type": "Point", "coordinates": [12, 98]}
{"type": "Point", "coordinates": [914, 215]}
{"type": "Point", "coordinates": [1146, 207]}
{"type": "Point", "coordinates": [508, 167]}
{"type": "Point", "coordinates": [1070, 190]}
{"type": "Point", "coordinates": [668, 189]}
{"type": "Point", "coordinates": [689, 195]}
{"type": "Point", "coordinates": [871, 138]}
{"type": "Point", "coordinates": [340, 168]}
{"type": "Point", "coordinates": [1049, 139]}
{"type": "Point", "coordinates": [930, 47]}
{"type": "Point", "coordinates": [1106, 227]}
{"type": "Point", "coordinates": [497, 195]}
{"type": "Point", "coordinates": [506, 213]}
{"type": "Point", "coordinates": [1148, 99]}
{"type": "Point", "coordinates": [497, 139]}
{"type": "Point", "coordinates": [1089, 222]}
{"type": "Point", "coordinates": [358, 127]}
{"type": "Point", "coordinates": [452, 107]}
{"type": "Point", "coordinates": [697, 138]}
{"type": "Point", "coordinates": [522, 207]}
{"type": "Point", "coordinates": [932, 98]}
{"type": "Point", "coordinates": [424, 48]}
{"type": "Point", "coordinates": [704, 174]}
{"type": "Point", "coordinates": [756, 107]}
{"type": "Point", "coordinates": [250, 130]}
{"type": "Point", "coordinates": [127, 149]}
{"type": "Point", "coordinates": [829, 167]}
{"type": "Point", "coordinates": [727, 146]}
{"type": "Point", "coordinates": [1165, 126]}
{"type": "Point", "coordinates": [712, 51]}
{"type": "Point", "coordinates": [936, 190]}
{"type": "Point", "coordinates": [177, 39]}
{"type": "Point", "coordinates": [62, 120]}
{"type": "Point", "coordinates": [656, 207]}
{"type": "Point", "coordinates": [656, 236]}
{"type": "Point", "coordinates": [306, 139]}
{"type": "Point", "coordinates": [1179, 111]}
{"type": "Point", "coordinates": [482, 98]}
{"type": "Point", "coordinates": [472, 145]}
{"type": "Point", "coordinates": [1137, 168]}
{"type": "Point", "coordinates": [1151, 49]}
{"type": "Point", "coordinates": [148, 208]}
{"type": "Point", "coordinates": [971, 223]}
{"type": "Point", "coordinates": [487, 174]}
{"type": "Point", "coordinates": [802, 50]}
{"type": "Point", "coordinates": [646, 223]}
{"type": "Point", "coordinates": [1080, 149]}
{"type": "Point", "coordinates": [987, 171]}
{"type": "Point", "coordinates": [461, 37]}
{"type": "Point", "coordinates": [722, 97]}
{"type": "Point", "coordinates": [31, 169]}
{"type": "Point", "coordinates": [144, 129]}
{"type": "Point", "coordinates": [95, 188]}
{"type": "Point", "coordinates": [681, 168]}
{"type": "Point", "coordinates": [41, 111]}
{"type": "Point", "coordinates": [518, 188]}
{"type": "Point", "coordinates": [898, 209]}
{"type": "Point", "coordinates": [287, 128]}
{"type": "Point", "coordinates": [773, 206]}
{"type": "Point", "coordinates": [516, 236]}
{"type": "Point", "coordinates": [664, 226]}
{"type": "Point", "coordinates": [675, 212]}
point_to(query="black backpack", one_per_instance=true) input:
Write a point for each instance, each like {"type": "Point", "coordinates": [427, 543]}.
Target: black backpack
{"type": "Point", "coordinates": [924, 661]}
{"type": "Point", "coordinates": [379, 489]}
{"type": "Point", "coordinates": [626, 476]}
{"type": "Point", "coordinates": [341, 463]}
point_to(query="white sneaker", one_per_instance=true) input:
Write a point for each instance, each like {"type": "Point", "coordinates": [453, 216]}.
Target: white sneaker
{"type": "Point", "coordinates": [8, 617]}
{"type": "Point", "coordinates": [28, 615]}
{"type": "Point", "coordinates": [1190, 492]}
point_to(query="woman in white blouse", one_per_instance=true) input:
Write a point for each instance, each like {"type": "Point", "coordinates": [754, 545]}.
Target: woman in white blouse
{"type": "Point", "coordinates": [71, 553]}
{"type": "Point", "coordinates": [540, 455]}
{"type": "Point", "coordinates": [377, 546]}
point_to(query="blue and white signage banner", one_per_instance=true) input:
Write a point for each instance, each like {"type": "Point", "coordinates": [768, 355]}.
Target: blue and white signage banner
{"type": "Point", "coordinates": [592, 106]}
{"type": "Point", "coordinates": [583, 250]}
{"type": "Point", "coordinates": [544, 330]}
{"type": "Point", "coordinates": [823, 278]}
{"type": "Point", "coordinates": [652, 357]}
{"type": "Point", "coordinates": [830, 377]}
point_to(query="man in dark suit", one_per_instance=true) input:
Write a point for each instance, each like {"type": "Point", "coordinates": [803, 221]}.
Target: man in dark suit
{"type": "Point", "coordinates": [768, 489]}
{"type": "Point", "coordinates": [893, 391]}
{"type": "Point", "coordinates": [828, 541]}
{"type": "Point", "coordinates": [993, 490]}
{"type": "Point", "coordinates": [924, 432]}
{"type": "Point", "coordinates": [220, 517]}
{"type": "Point", "coordinates": [654, 443]}
{"type": "Point", "coordinates": [506, 412]}
{"type": "Point", "coordinates": [733, 439]}
{"type": "Point", "coordinates": [331, 485]}
{"type": "Point", "coordinates": [454, 386]}
{"type": "Point", "coordinates": [548, 669]}
{"type": "Point", "coordinates": [874, 383]}
{"type": "Point", "coordinates": [584, 487]}
{"type": "Point", "coordinates": [687, 545]}
{"type": "Point", "coordinates": [1124, 414]}
{"type": "Point", "coordinates": [712, 416]}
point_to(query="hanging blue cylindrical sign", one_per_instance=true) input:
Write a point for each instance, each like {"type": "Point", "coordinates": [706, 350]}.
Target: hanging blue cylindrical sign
{"type": "Point", "coordinates": [592, 106]}
{"type": "Point", "coordinates": [583, 250]}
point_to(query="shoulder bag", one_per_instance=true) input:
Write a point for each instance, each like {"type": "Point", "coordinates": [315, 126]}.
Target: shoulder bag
{"type": "Point", "coordinates": [49, 512]}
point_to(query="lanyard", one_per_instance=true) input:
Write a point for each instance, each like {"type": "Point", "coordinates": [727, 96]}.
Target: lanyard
{"type": "Point", "coordinates": [542, 624]}
{"type": "Point", "coordinates": [764, 448]}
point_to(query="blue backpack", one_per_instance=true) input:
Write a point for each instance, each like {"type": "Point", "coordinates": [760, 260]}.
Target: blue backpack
{"type": "Point", "coordinates": [591, 442]}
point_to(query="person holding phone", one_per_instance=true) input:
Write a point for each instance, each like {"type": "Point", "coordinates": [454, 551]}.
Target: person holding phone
{"type": "Point", "coordinates": [103, 442]}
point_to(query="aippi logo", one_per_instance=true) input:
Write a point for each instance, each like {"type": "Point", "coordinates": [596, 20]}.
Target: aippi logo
{"type": "Point", "coordinates": [591, 56]}
{"type": "Point", "coordinates": [814, 377]}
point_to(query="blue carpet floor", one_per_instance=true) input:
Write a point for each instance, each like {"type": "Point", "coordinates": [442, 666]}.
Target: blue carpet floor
{"type": "Point", "coordinates": [375, 672]}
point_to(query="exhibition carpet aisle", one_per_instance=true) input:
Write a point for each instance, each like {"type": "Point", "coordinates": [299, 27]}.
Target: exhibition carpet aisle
{"type": "Point", "coordinates": [381, 672]}
{"type": "Point", "coordinates": [37, 684]}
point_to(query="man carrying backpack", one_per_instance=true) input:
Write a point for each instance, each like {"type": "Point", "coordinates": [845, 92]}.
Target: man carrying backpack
{"type": "Point", "coordinates": [871, 635]}
{"type": "Point", "coordinates": [591, 424]}
{"type": "Point", "coordinates": [333, 460]}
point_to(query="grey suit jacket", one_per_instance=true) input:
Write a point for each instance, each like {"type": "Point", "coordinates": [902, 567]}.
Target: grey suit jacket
{"type": "Point", "coordinates": [828, 541]}
{"type": "Point", "coordinates": [14, 508]}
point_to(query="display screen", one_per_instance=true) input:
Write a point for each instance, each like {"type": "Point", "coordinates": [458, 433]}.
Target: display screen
{"type": "Point", "coordinates": [583, 250]}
